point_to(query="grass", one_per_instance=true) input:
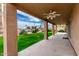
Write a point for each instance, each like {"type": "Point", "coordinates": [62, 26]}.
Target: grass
{"type": "Point", "coordinates": [1, 46]}
{"type": "Point", "coordinates": [26, 40]}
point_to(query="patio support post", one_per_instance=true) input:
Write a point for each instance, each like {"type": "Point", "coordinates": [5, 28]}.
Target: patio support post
{"type": "Point", "coordinates": [46, 30]}
{"type": "Point", "coordinates": [56, 28]}
{"type": "Point", "coordinates": [53, 30]}
{"type": "Point", "coordinates": [10, 30]}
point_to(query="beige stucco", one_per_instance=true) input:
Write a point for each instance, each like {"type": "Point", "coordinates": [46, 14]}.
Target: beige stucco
{"type": "Point", "coordinates": [10, 30]}
{"type": "Point", "coordinates": [53, 30]}
{"type": "Point", "coordinates": [0, 26]}
{"type": "Point", "coordinates": [74, 28]}
{"type": "Point", "coordinates": [0, 21]}
{"type": "Point", "coordinates": [45, 30]}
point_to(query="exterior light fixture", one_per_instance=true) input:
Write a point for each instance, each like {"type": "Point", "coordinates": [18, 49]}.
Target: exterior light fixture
{"type": "Point", "coordinates": [52, 15]}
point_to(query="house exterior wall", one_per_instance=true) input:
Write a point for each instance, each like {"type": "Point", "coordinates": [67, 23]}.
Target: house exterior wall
{"type": "Point", "coordinates": [74, 28]}
{"type": "Point", "coordinates": [0, 26]}
{"type": "Point", "coordinates": [1, 29]}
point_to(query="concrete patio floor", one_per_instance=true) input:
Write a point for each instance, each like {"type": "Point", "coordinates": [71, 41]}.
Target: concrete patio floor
{"type": "Point", "coordinates": [55, 46]}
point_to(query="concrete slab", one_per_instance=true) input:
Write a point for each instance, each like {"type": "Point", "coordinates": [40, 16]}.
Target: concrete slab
{"type": "Point", "coordinates": [55, 46]}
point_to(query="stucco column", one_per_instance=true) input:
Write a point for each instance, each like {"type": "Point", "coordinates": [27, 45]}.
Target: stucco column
{"type": "Point", "coordinates": [56, 28]}
{"type": "Point", "coordinates": [53, 30]}
{"type": "Point", "coordinates": [46, 30]}
{"type": "Point", "coordinates": [10, 30]}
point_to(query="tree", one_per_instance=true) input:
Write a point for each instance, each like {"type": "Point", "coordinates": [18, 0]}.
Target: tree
{"type": "Point", "coordinates": [23, 32]}
{"type": "Point", "coordinates": [34, 29]}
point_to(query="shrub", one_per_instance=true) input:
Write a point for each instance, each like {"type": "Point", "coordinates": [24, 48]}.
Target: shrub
{"type": "Point", "coordinates": [49, 30]}
{"type": "Point", "coordinates": [61, 30]}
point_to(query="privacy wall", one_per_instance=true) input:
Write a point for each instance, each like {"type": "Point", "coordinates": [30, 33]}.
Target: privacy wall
{"type": "Point", "coordinates": [74, 28]}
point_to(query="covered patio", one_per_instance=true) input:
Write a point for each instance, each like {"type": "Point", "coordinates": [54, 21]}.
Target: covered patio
{"type": "Point", "coordinates": [55, 45]}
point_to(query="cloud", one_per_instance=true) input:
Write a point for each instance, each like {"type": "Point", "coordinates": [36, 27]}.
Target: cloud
{"type": "Point", "coordinates": [26, 17]}
{"type": "Point", "coordinates": [21, 24]}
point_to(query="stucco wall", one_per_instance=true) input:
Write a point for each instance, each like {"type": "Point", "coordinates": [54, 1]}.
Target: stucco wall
{"type": "Point", "coordinates": [0, 26]}
{"type": "Point", "coordinates": [74, 27]}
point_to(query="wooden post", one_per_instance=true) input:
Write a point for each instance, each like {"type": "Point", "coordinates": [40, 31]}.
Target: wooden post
{"type": "Point", "coordinates": [9, 30]}
{"type": "Point", "coordinates": [46, 30]}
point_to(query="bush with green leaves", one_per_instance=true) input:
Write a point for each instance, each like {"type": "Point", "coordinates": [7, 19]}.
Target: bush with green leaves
{"type": "Point", "coordinates": [61, 30]}
{"type": "Point", "coordinates": [49, 30]}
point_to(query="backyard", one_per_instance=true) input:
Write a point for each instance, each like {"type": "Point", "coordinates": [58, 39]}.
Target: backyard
{"type": "Point", "coordinates": [26, 40]}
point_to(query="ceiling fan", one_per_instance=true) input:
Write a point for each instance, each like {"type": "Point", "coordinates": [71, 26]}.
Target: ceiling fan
{"type": "Point", "coordinates": [51, 15]}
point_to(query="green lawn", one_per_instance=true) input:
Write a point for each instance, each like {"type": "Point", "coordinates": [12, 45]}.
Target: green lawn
{"type": "Point", "coordinates": [1, 46]}
{"type": "Point", "coordinates": [26, 40]}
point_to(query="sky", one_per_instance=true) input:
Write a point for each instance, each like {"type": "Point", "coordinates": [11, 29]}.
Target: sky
{"type": "Point", "coordinates": [26, 19]}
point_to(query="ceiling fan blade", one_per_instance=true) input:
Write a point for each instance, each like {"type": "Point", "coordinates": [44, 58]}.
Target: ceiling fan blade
{"type": "Point", "coordinates": [58, 14]}
{"type": "Point", "coordinates": [54, 12]}
{"type": "Point", "coordinates": [51, 14]}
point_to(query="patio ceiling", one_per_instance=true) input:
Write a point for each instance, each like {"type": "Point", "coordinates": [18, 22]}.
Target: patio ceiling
{"type": "Point", "coordinates": [38, 9]}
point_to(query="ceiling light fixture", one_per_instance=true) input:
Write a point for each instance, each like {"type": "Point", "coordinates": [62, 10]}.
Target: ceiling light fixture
{"type": "Point", "coordinates": [52, 15]}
